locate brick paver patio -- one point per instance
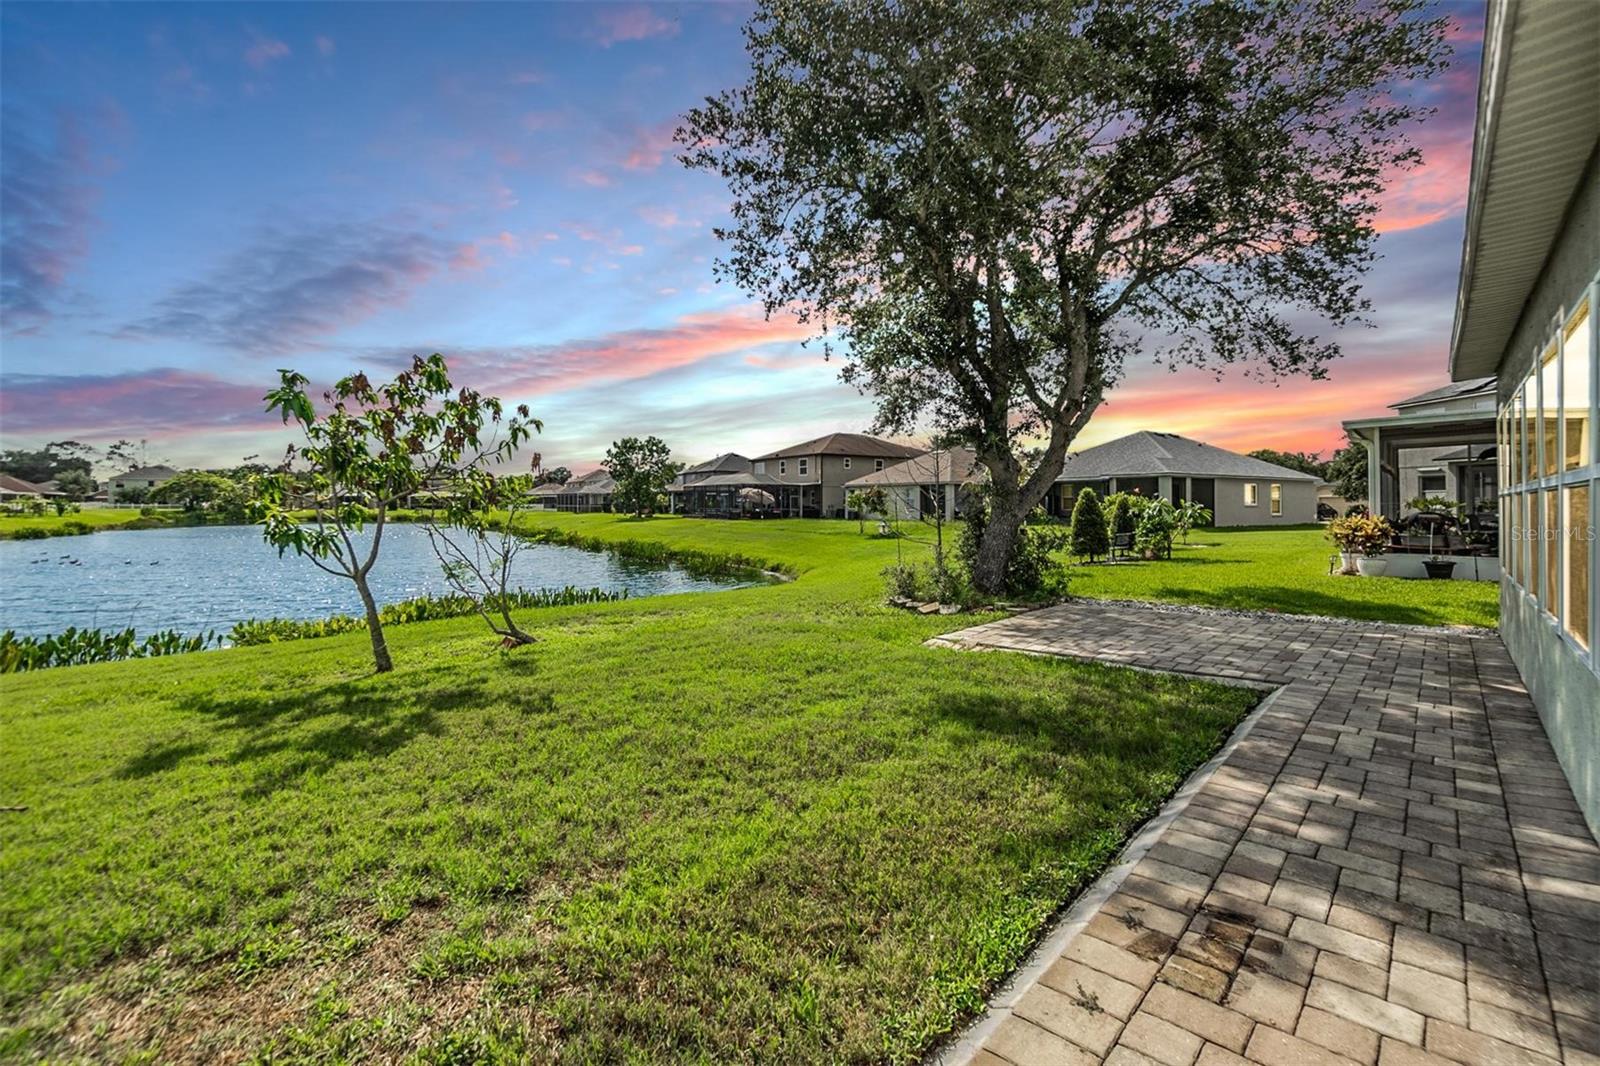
(1388, 868)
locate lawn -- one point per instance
(1285, 570)
(764, 824)
(96, 518)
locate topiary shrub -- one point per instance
(1089, 536)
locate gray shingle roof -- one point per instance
(1448, 392)
(958, 466)
(148, 473)
(726, 463)
(846, 444)
(1149, 454)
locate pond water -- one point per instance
(200, 578)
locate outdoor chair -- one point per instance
(1121, 544)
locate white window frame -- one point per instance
(847, 462)
(877, 465)
(1275, 498)
(803, 471)
(1252, 494)
(783, 466)
(1520, 493)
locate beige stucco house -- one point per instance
(807, 479)
(922, 484)
(141, 479)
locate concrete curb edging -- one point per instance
(966, 1044)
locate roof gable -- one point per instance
(1151, 454)
(851, 444)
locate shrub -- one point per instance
(1154, 528)
(1120, 518)
(902, 580)
(1034, 569)
(1089, 536)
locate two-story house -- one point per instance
(138, 482)
(808, 479)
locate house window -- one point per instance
(847, 462)
(1275, 498)
(1549, 496)
(1250, 488)
(877, 464)
(1430, 484)
(803, 464)
(783, 466)
(761, 468)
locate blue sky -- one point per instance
(196, 195)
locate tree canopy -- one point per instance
(1305, 462)
(641, 467)
(986, 208)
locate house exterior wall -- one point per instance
(1299, 503)
(125, 484)
(828, 472)
(1562, 677)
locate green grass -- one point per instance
(1285, 570)
(97, 518)
(764, 824)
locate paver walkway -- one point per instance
(1388, 868)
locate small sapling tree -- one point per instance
(370, 448)
(477, 543)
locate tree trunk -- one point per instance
(999, 543)
(380, 648)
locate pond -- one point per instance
(200, 578)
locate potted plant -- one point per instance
(1438, 567)
(1362, 539)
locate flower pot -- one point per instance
(1347, 562)
(1372, 565)
(1439, 569)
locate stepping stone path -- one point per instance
(1387, 869)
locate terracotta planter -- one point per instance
(1372, 565)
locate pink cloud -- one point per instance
(145, 403)
(325, 46)
(660, 217)
(621, 356)
(616, 23)
(265, 50)
(650, 147)
(472, 256)
(537, 121)
(595, 179)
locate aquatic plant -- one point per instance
(74, 647)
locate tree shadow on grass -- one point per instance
(1278, 599)
(159, 758)
(286, 735)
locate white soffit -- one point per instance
(1538, 123)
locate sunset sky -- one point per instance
(197, 195)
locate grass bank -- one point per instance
(89, 520)
(763, 824)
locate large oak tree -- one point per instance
(987, 207)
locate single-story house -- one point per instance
(14, 488)
(922, 484)
(591, 492)
(1238, 490)
(545, 494)
(141, 479)
(808, 478)
(1526, 305)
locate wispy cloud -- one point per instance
(264, 51)
(48, 194)
(295, 288)
(325, 46)
(650, 147)
(617, 23)
(145, 403)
